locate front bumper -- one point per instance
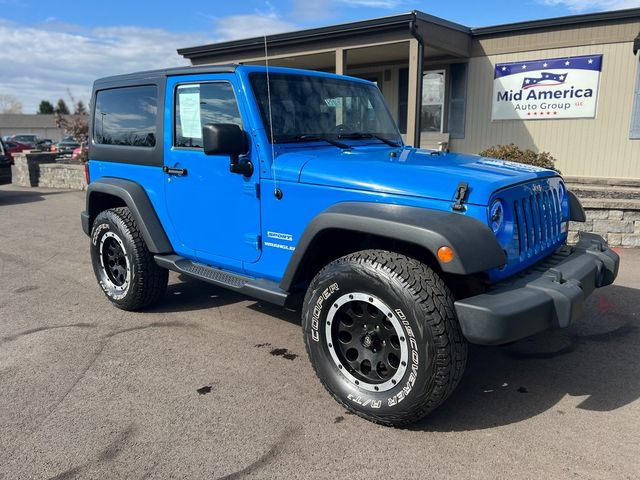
(548, 295)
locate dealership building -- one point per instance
(569, 86)
(451, 68)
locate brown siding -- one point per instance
(584, 147)
(615, 32)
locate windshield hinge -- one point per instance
(253, 239)
(251, 189)
(461, 193)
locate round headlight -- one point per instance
(496, 216)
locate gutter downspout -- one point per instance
(415, 33)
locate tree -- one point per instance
(78, 127)
(45, 107)
(80, 109)
(10, 104)
(61, 108)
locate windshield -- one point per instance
(308, 107)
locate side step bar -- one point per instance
(260, 289)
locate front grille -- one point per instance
(538, 219)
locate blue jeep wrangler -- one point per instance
(295, 188)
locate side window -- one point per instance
(126, 116)
(198, 104)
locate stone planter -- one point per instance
(26, 169)
(61, 175)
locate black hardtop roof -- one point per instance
(154, 75)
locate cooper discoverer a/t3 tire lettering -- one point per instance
(382, 335)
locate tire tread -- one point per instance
(436, 300)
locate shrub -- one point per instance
(513, 153)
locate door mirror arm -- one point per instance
(242, 166)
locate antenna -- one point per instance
(276, 191)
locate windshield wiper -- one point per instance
(358, 135)
(313, 138)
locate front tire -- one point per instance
(122, 263)
(382, 335)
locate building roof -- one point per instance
(375, 25)
(567, 21)
(399, 21)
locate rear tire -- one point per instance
(382, 335)
(123, 265)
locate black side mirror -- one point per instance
(227, 139)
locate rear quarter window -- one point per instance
(126, 116)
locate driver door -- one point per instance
(214, 212)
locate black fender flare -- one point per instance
(476, 247)
(135, 197)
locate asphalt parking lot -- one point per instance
(210, 384)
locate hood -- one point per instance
(410, 172)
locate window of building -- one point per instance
(126, 116)
(457, 100)
(634, 132)
(199, 104)
(433, 99)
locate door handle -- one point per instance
(174, 171)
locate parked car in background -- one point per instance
(12, 147)
(5, 165)
(65, 147)
(45, 144)
(80, 153)
(28, 139)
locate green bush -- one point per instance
(513, 153)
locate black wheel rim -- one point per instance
(367, 342)
(114, 261)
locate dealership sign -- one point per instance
(547, 89)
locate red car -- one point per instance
(78, 152)
(14, 147)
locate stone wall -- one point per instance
(612, 206)
(617, 222)
(26, 168)
(57, 175)
(39, 169)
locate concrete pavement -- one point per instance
(210, 384)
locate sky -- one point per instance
(49, 49)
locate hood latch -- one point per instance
(461, 193)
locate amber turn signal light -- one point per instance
(445, 254)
